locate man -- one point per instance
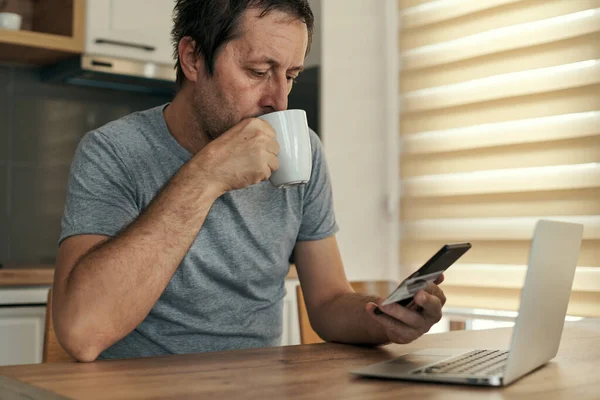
(173, 239)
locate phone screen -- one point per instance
(428, 273)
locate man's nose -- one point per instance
(276, 96)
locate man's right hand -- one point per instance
(244, 155)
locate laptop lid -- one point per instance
(553, 258)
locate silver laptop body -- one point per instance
(536, 335)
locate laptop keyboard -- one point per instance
(477, 362)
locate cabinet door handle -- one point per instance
(126, 44)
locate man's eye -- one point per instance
(293, 79)
(258, 73)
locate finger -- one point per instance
(403, 336)
(370, 308)
(437, 292)
(415, 307)
(397, 331)
(432, 306)
(266, 128)
(405, 315)
(265, 173)
(439, 279)
(272, 162)
(246, 125)
(272, 146)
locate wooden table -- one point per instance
(318, 371)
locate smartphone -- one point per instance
(429, 272)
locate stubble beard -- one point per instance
(213, 115)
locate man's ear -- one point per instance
(191, 63)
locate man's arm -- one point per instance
(102, 292)
(104, 288)
(338, 314)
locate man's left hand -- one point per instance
(405, 324)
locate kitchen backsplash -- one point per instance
(40, 127)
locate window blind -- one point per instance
(499, 126)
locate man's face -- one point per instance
(253, 73)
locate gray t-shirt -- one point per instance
(228, 291)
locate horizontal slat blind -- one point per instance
(500, 126)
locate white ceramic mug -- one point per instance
(10, 21)
(295, 155)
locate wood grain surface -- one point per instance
(317, 371)
(26, 276)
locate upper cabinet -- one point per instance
(132, 29)
(51, 30)
(54, 30)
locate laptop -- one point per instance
(536, 334)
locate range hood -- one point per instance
(113, 73)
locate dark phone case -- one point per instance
(440, 261)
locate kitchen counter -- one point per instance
(293, 274)
(30, 276)
(43, 276)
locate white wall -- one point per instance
(359, 116)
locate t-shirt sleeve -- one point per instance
(100, 192)
(318, 217)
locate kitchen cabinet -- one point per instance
(291, 327)
(52, 30)
(22, 318)
(22, 333)
(133, 29)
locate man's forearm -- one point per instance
(347, 321)
(113, 287)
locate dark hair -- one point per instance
(214, 23)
